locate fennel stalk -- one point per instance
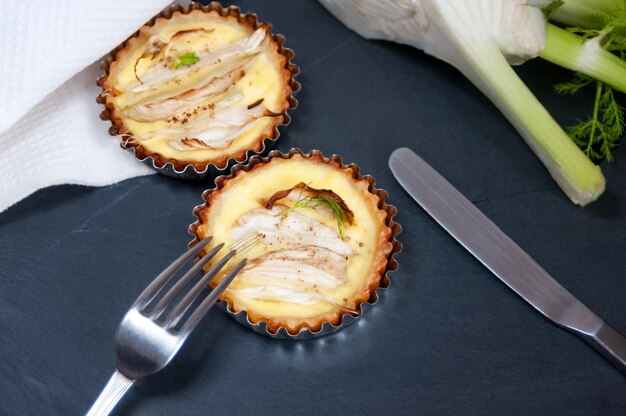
(586, 56)
(482, 38)
(581, 12)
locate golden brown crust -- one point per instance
(281, 54)
(386, 245)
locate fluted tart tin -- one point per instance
(198, 169)
(261, 326)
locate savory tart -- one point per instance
(199, 88)
(323, 242)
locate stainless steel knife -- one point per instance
(481, 237)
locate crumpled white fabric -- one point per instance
(50, 130)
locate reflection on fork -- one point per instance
(246, 243)
(153, 330)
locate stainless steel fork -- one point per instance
(152, 332)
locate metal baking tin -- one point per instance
(189, 171)
(346, 319)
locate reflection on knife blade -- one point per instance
(483, 239)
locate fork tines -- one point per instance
(167, 311)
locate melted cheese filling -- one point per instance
(303, 269)
(262, 80)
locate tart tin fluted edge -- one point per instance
(346, 319)
(184, 169)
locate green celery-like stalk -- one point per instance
(585, 56)
(480, 38)
(580, 179)
(580, 12)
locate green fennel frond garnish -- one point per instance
(314, 199)
(309, 201)
(601, 132)
(186, 59)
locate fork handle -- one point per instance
(111, 394)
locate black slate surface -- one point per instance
(448, 337)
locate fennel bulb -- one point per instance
(482, 38)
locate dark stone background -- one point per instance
(448, 338)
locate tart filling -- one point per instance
(323, 243)
(198, 88)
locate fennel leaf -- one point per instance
(310, 201)
(186, 59)
(601, 132)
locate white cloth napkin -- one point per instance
(50, 130)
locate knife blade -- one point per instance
(502, 256)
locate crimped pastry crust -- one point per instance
(366, 192)
(279, 56)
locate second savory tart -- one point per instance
(324, 241)
(199, 87)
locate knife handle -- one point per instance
(610, 343)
